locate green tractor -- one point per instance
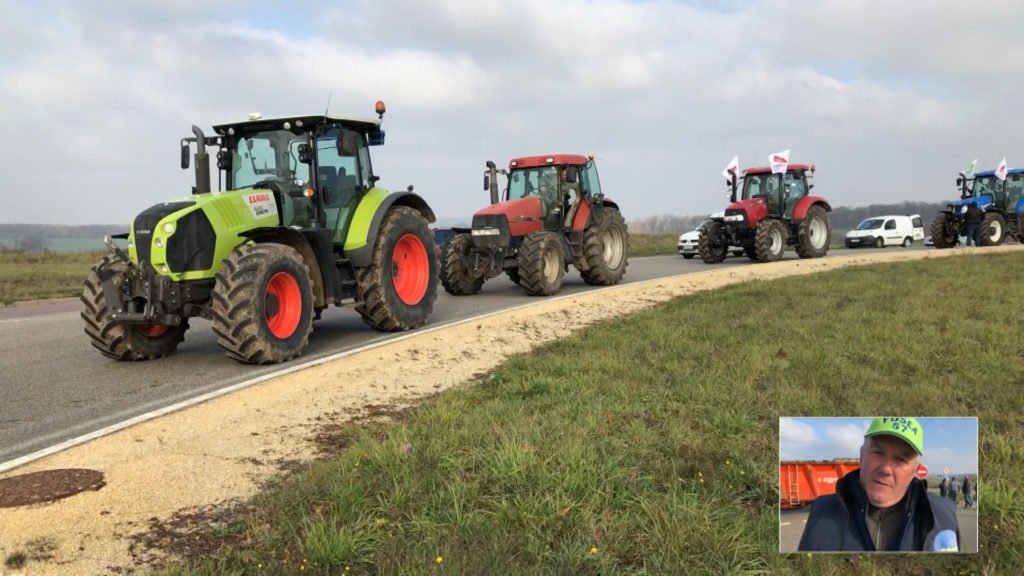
(298, 224)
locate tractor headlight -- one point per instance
(168, 227)
(733, 218)
(486, 232)
(159, 242)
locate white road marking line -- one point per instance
(784, 524)
(13, 320)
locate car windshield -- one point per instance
(870, 224)
(757, 185)
(531, 181)
(270, 155)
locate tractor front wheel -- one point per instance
(813, 234)
(993, 229)
(456, 276)
(606, 250)
(397, 290)
(123, 341)
(711, 242)
(770, 240)
(263, 304)
(944, 233)
(541, 264)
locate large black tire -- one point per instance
(398, 289)
(513, 274)
(123, 341)
(455, 275)
(541, 264)
(814, 233)
(262, 304)
(943, 231)
(606, 249)
(993, 230)
(711, 243)
(770, 240)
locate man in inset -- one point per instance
(883, 506)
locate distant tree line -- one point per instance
(843, 217)
(88, 231)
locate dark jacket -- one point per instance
(974, 214)
(838, 521)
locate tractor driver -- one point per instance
(549, 195)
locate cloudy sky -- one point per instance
(948, 442)
(889, 99)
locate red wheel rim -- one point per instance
(153, 330)
(282, 305)
(410, 269)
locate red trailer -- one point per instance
(802, 481)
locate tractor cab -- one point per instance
(316, 167)
(778, 193)
(544, 189)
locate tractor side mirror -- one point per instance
(376, 138)
(305, 154)
(959, 181)
(487, 181)
(810, 186)
(184, 155)
(223, 160)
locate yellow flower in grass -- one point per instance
(439, 559)
(593, 549)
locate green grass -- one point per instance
(37, 275)
(653, 244)
(649, 445)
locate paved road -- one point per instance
(792, 522)
(54, 386)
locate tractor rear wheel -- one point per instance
(813, 234)
(123, 341)
(397, 290)
(993, 229)
(541, 264)
(606, 249)
(262, 304)
(944, 233)
(770, 240)
(455, 274)
(711, 243)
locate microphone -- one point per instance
(945, 541)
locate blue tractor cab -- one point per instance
(1002, 201)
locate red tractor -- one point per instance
(553, 214)
(775, 209)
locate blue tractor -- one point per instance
(1002, 201)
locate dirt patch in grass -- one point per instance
(166, 477)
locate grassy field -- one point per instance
(649, 445)
(652, 244)
(37, 275)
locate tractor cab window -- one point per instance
(270, 160)
(542, 181)
(1014, 190)
(985, 185)
(796, 189)
(341, 176)
(767, 186)
(590, 180)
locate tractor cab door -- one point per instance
(796, 188)
(590, 186)
(773, 195)
(342, 177)
(1014, 191)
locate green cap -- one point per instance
(906, 429)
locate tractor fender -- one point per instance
(362, 233)
(312, 251)
(585, 213)
(804, 204)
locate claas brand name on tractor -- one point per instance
(298, 223)
(549, 213)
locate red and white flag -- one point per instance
(732, 168)
(779, 162)
(1001, 170)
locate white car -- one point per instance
(687, 245)
(889, 230)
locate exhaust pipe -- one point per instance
(202, 163)
(492, 174)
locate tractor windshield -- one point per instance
(533, 182)
(986, 185)
(269, 156)
(760, 185)
(871, 224)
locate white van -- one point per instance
(890, 230)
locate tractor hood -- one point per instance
(522, 215)
(746, 204)
(982, 201)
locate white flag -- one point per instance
(732, 168)
(1001, 169)
(969, 173)
(779, 162)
